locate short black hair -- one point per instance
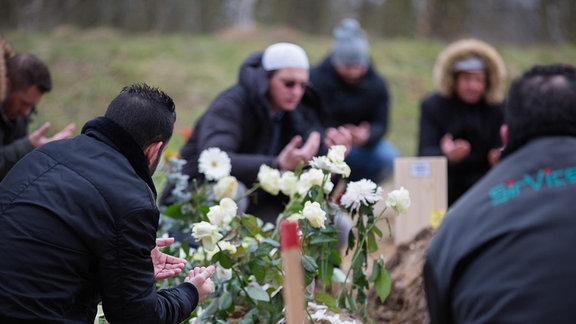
(24, 70)
(146, 113)
(542, 102)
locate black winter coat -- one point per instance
(78, 220)
(368, 100)
(479, 124)
(239, 122)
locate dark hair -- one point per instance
(542, 102)
(24, 70)
(146, 113)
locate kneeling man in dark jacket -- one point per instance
(78, 222)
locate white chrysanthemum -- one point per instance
(288, 183)
(313, 177)
(226, 187)
(207, 234)
(363, 192)
(314, 214)
(399, 200)
(214, 163)
(269, 179)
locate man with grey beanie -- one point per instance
(356, 97)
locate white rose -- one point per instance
(269, 178)
(310, 178)
(227, 246)
(295, 217)
(324, 163)
(288, 183)
(337, 153)
(222, 274)
(314, 214)
(226, 187)
(207, 233)
(399, 200)
(229, 206)
(222, 214)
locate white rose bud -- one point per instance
(226, 187)
(399, 200)
(288, 183)
(336, 153)
(207, 233)
(314, 214)
(269, 178)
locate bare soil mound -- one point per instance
(406, 302)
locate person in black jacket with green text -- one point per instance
(505, 251)
(78, 222)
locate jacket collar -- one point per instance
(123, 142)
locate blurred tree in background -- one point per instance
(497, 21)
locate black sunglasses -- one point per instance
(291, 84)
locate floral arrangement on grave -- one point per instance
(246, 252)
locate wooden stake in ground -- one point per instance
(293, 291)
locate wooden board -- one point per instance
(426, 180)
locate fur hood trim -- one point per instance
(495, 68)
(5, 53)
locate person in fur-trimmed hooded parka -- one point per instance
(462, 120)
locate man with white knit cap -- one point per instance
(270, 116)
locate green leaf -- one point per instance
(175, 211)
(258, 269)
(251, 317)
(382, 280)
(225, 301)
(257, 293)
(251, 224)
(209, 312)
(272, 242)
(224, 259)
(309, 264)
(326, 299)
(372, 244)
(377, 231)
(322, 239)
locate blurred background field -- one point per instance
(90, 66)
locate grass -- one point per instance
(89, 68)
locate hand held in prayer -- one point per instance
(37, 137)
(165, 266)
(454, 150)
(292, 155)
(200, 278)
